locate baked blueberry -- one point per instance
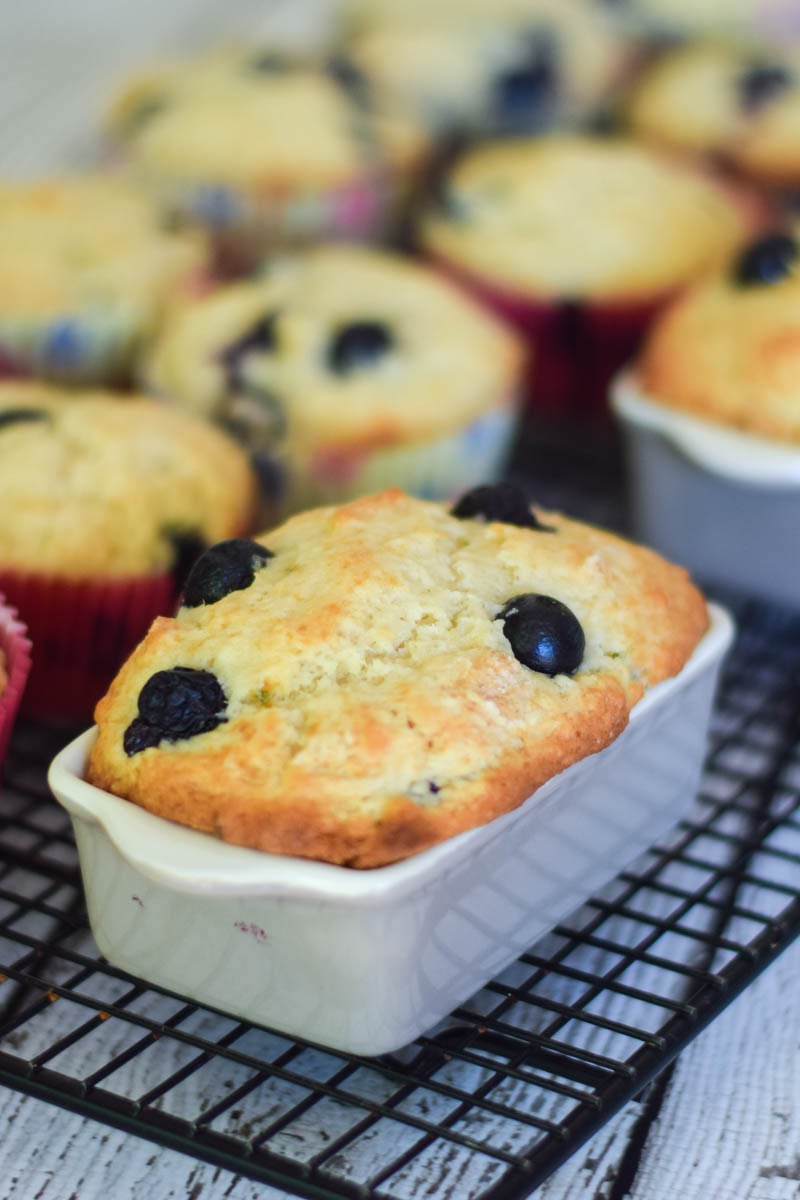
(504, 502)
(761, 83)
(226, 567)
(260, 338)
(176, 704)
(269, 62)
(768, 260)
(353, 82)
(358, 346)
(22, 416)
(523, 95)
(143, 112)
(544, 634)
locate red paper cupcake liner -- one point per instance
(17, 652)
(82, 631)
(576, 347)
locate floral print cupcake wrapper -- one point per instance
(437, 469)
(16, 650)
(82, 631)
(244, 224)
(73, 348)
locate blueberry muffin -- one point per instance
(737, 103)
(578, 240)
(104, 501)
(748, 19)
(262, 149)
(371, 679)
(729, 351)
(506, 69)
(351, 369)
(86, 265)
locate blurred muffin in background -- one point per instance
(86, 263)
(487, 69)
(349, 370)
(773, 20)
(578, 241)
(105, 501)
(738, 103)
(263, 149)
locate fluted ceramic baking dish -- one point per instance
(364, 961)
(724, 503)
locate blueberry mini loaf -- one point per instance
(370, 679)
(353, 369)
(729, 351)
(86, 265)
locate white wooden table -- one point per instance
(727, 1125)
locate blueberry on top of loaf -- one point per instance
(97, 483)
(379, 684)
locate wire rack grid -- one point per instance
(491, 1101)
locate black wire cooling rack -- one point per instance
(493, 1099)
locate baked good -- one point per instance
(579, 240)
(264, 149)
(352, 369)
(729, 350)
(369, 679)
(747, 19)
(738, 103)
(86, 264)
(506, 68)
(104, 502)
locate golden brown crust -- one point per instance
(730, 354)
(374, 703)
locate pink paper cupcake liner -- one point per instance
(576, 347)
(82, 631)
(16, 650)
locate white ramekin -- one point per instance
(724, 503)
(364, 961)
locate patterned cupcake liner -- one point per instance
(82, 631)
(72, 348)
(16, 650)
(437, 469)
(243, 223)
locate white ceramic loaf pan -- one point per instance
(724, 503)
(364, 961)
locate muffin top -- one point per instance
(342, 347)
(742, 18)
(369, 679)
(516, 69)
(732, 101)
(93, 483)
(243, 116)
(574, 216)
(729, 350)
(87, 243)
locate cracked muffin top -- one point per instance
(98, 483)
